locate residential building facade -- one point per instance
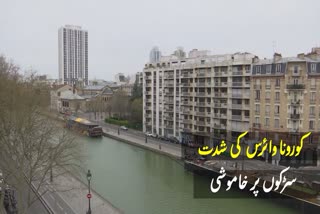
(199, 97)
(73, 55)
(285, 101)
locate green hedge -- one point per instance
(116, 121)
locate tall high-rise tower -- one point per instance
(73, 55)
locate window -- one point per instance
(296, 69)
(276, 123)
(257, 119)
(267, 110)
(313, 96)
(278, 68)
(278, 82)
(313, 67)
(277, 96)
(257, 94)
(311, 124)
(268, 84)
(268, 69)
(267, 122)
(313, 83)
(295, 81)
(258, 69)
(277, 109)
(268, 95)
(312, 112)
(257, 108)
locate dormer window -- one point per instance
(268, 69)
(278, 68)
(313, 67)
(258, 69)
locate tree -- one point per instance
(31, 146)
(120, 103)
(136, 90)
(136, 110)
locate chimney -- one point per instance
(255, 59)
(301, 56)
(315, 53)
(276, 57)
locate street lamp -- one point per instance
(89, 176)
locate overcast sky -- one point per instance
(122, 32)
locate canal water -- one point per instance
(139, 181)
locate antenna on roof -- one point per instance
(274, 46)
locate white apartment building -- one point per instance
(73, 55)
(199, 97)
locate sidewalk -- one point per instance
(73, 193)
(151, 145)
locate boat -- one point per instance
(84, 126)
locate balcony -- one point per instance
(169, 118)
(200, 84)
(257, 87)
(187, 103)
(295, 116)
(256, 125)
(169, 76)
(200, 113)
(148, 107)
(186, 75)
(186, 93)
(295, 86)
(201, 74)
(201, 123)
(200, 103)
(236, 95)
(187, 121)
(169, 85)
(296, 102)
(236, 72)
(148, 92)
(236, 117)
(246, 118)
(312, 115)
(217, 105)
(185, 111)
(201, 94)
(185, 84)
(312, 101)
(237, 106)
(268, 86)
(237, 84)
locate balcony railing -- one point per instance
(169, 76)
(236, 83)
(237, 73)
(185, 84)
(295, 86)
(200, 103)
(312, 115)
(256, 125)
(201, 113)
(201, 94)
(257, 87)
(201, 74)
(237, 106)
(201, 84)
(295, 116)
(236, 117)
(200, 122)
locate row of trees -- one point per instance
(120, 105)
(31, 146)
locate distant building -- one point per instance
(73, 55)
(65, 99)
(155, 55)
(120, 79)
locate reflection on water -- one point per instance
(139, 181)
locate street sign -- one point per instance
(88, 195)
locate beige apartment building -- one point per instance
(199, 97)
(285, 102)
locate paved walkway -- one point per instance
(67, 195)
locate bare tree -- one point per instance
(31, 146)
(120, 103)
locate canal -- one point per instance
(139, 181)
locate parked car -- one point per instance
(124, 128)
(148, 134)
(174, 140)
(154, 135)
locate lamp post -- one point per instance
(89, 176)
